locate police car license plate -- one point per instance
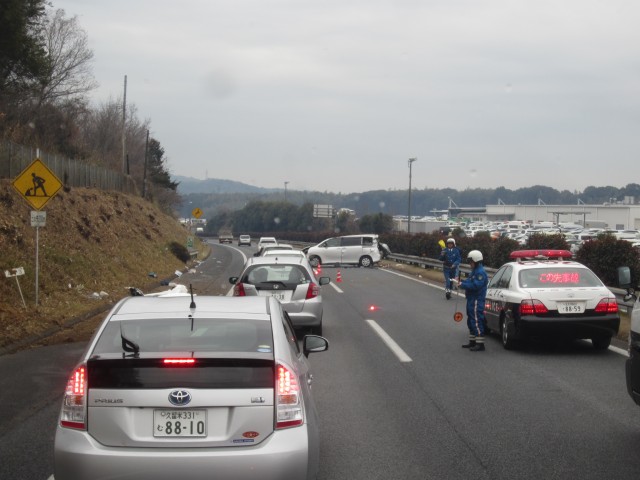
(179, 423)
(571, 307)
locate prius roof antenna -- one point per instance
(193, 304)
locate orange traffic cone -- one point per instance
(339, 277)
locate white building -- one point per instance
(618, 216)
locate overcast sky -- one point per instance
(337, 95)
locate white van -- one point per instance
(350, 249)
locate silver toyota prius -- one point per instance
(191, 387)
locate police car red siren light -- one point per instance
(543, 253)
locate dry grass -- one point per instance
(93, 242)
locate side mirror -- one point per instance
(324, 280)
(314, 344)
(233, 280)
(624, 277)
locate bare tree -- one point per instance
(68, 74)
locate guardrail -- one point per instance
(433, 264)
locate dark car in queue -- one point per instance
(179, 387)
(542, 293)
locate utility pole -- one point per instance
(144, 177)
(411, 160)
(124, 121)
(285, 190)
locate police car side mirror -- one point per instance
(624, 277)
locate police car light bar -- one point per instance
(540, 254)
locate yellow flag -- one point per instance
(441, 243)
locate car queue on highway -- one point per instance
(228, 376)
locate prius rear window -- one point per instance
(179, 334)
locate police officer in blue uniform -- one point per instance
(475, 289)
(451, 259)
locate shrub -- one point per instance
(541, 241)
(605, 254)
(180, 251)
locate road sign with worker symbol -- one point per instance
(37, 184)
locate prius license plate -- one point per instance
(571, 307)
(179, 423)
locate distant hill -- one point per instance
(188, 185)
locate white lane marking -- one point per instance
(424, 282)
(619, 351)
(393, 346)
(337, 288)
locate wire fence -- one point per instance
(15, 158)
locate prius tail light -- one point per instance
(289, 409)
(74, 403)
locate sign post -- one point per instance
(16, 273)
(37, 185)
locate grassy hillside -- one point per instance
(94, 241)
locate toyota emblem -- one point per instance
(179, 398)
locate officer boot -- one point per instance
(479, 346)
(471, 344)
(447, 294)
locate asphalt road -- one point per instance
(397, 396)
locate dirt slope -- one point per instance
(94, 244)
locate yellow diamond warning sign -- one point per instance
(37, 184)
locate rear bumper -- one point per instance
(284, 455)
(572, 327)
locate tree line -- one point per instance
(424, 202)
(287, 221)
(45, 79)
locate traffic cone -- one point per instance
(339, 277)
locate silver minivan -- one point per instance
(360, 250)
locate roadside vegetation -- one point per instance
(95, 244)
(45, 79)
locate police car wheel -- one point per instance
(507, 332)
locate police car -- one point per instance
(632, 366)
(542, 293)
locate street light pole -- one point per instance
(411, 160)
(285, 190)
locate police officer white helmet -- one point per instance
(475, 255)
(451, 240)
